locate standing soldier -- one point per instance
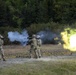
(1, 47)
(39, 43)
(33, 46)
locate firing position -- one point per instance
(1, 47)
(35, 46)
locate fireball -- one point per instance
(69, 39)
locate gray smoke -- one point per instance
(47, 36)
(20, 37)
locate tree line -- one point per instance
(20, 14)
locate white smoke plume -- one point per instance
(20, 37)
(46, 36)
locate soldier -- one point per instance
(1, 47)
(33, 46)
(39, 43)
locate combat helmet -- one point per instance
(38, 36)
(33, 36)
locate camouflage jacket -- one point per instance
(33, 42)
(1, 42)
(39, 42)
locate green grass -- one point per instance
(62, 67)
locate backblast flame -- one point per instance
(69, 39)
(73, 42)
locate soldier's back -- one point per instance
(34, 42)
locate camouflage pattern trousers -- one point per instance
(2, 52)
(36, 51)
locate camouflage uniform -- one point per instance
(33, 46)
(39, 43)
(1, 47)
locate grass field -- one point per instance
(60, 67)
(23, 51)
(52, 67)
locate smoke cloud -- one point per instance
(20, 37)
(47, 36)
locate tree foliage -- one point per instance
(36, 14)
(22, 13)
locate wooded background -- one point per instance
(36, 15)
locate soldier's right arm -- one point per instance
(30, 41)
